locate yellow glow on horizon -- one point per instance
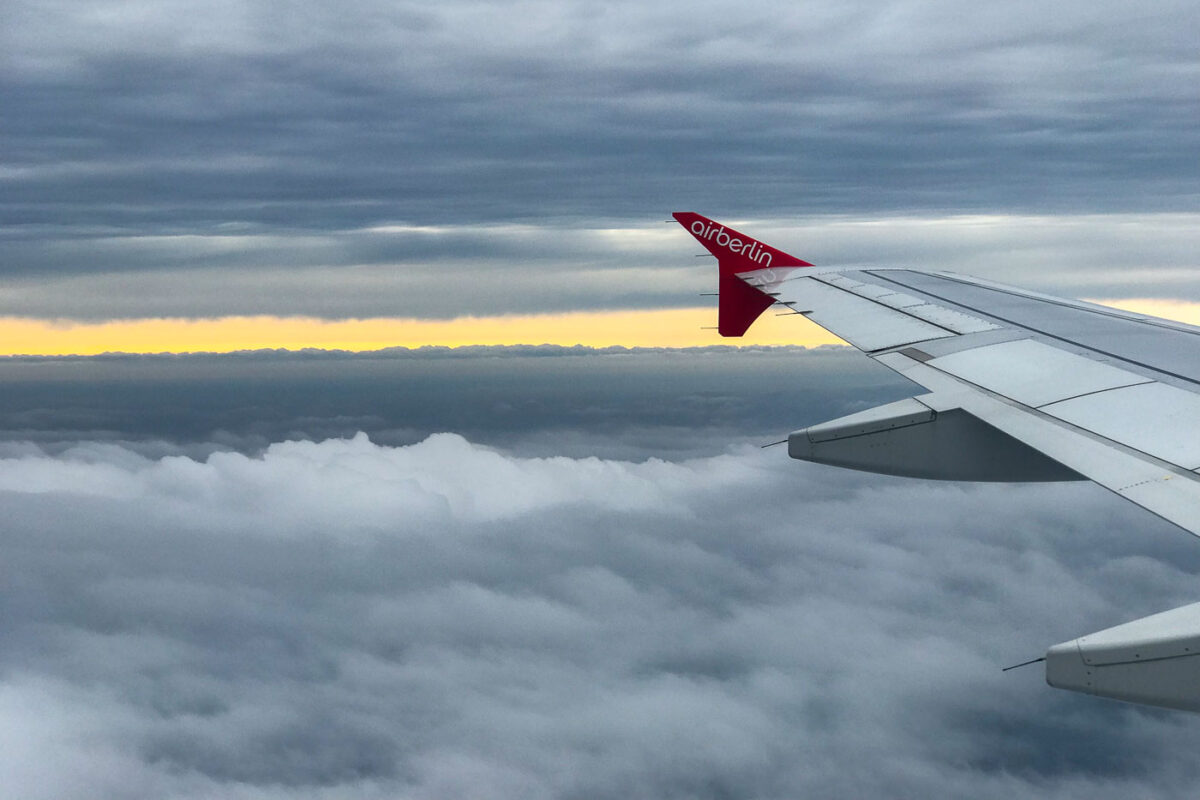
(681, 327)
(651, 328)
(1178, 310)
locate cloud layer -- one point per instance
(286, 158)
(525, 110)
(615, 403)
(343, 619)
(547, 268)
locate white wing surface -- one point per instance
(1021, 386)
(1104, 393)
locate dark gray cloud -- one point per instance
(263, 148)
(531, 400)
(520, 111)
(553, 269)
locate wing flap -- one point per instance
(1033, 373)
(1154, 418)
(1169, 491)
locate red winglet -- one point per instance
(739, 304)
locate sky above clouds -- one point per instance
(440, 160)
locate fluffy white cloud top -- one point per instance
(343, 619)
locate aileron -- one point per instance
(864, 323)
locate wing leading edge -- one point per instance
(1021, 386)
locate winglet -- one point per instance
(739, 304)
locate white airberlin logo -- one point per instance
(751, 250)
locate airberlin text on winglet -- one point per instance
(714, 233)
(738, 303)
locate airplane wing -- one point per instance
(1022, 386)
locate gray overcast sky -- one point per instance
(304, 158)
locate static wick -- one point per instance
(1024, 664)
(772, 444)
